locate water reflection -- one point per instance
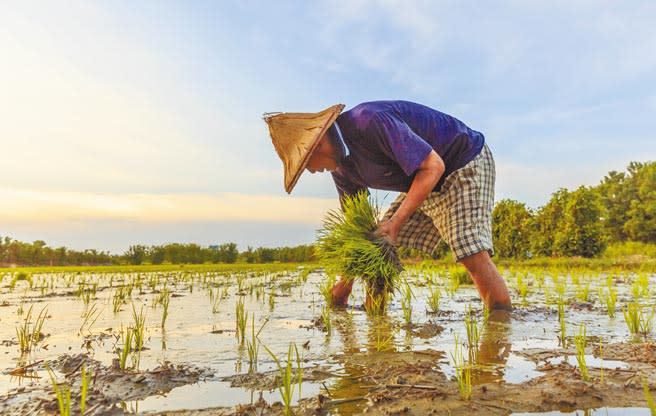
(494, 348)
(346, 392)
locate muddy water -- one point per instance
(514, 348)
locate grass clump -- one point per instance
(406, 304)
(434, 296)
(561, 321)
(287, 386)
(28, 335)
(326, 289)
(581, 341)
(253, 346)
(463, 371)
(63, 391)
(473, 334)
(348, 245)
(637, 320)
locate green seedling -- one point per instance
(637, 320)
(560, 286)
(583, 292)
(640, 287)
(347, 243)
(272, 302)
(580, 341)
(434, 296)
(327, 322)
(165, 299)
(522, 288)
(454, 284)
(241, 319)
(326, 289)
(299, 370)
(287, 388)
(463, 371)
(473, 334)
(124, 352)
(90, 318)
(215, 301)
(84, 389)
(63, 393)
(384, 343)
(118, 299)
(253, 346)
(378, 303)
(139, 322)
(547, 295)
(610, 299)
(406, 304)
(561, 321)
(28, 335)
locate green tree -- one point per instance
(544, 225)
(641, 222)
(580, 231)
(510, 229)
(136, 254)
(616, 192)
(227, 253)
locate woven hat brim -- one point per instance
(292, 174)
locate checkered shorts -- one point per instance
(460, 213)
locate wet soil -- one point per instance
(354, 364)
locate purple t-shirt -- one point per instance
(388, 140)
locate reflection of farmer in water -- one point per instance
(442, 168)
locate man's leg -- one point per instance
(341, 291)
(491, 286)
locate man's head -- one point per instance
(301, 141)
(328, 154)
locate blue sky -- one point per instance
(140, 122)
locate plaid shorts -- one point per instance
(460, 213)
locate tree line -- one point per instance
(583, 222)
(14, 252)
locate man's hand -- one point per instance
(429, 173)
(389, 229)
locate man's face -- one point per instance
(323, 158)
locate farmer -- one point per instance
(443, 170)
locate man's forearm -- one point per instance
(430, 172)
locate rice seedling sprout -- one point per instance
(434, 296)
(348, 245)
(63, 393)
(463, 371)
(580, 341)
(473, 334)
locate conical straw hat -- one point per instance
(296, 135)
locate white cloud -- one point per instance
(558, 49)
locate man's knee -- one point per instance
(477, 262)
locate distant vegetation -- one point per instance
(14, 252)
(619, 213)
(615, 218)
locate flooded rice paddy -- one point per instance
(202, 341)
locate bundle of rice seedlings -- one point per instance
(347, 245)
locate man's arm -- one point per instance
(429, 173)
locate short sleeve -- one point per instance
(397, 140)
(346, 187)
